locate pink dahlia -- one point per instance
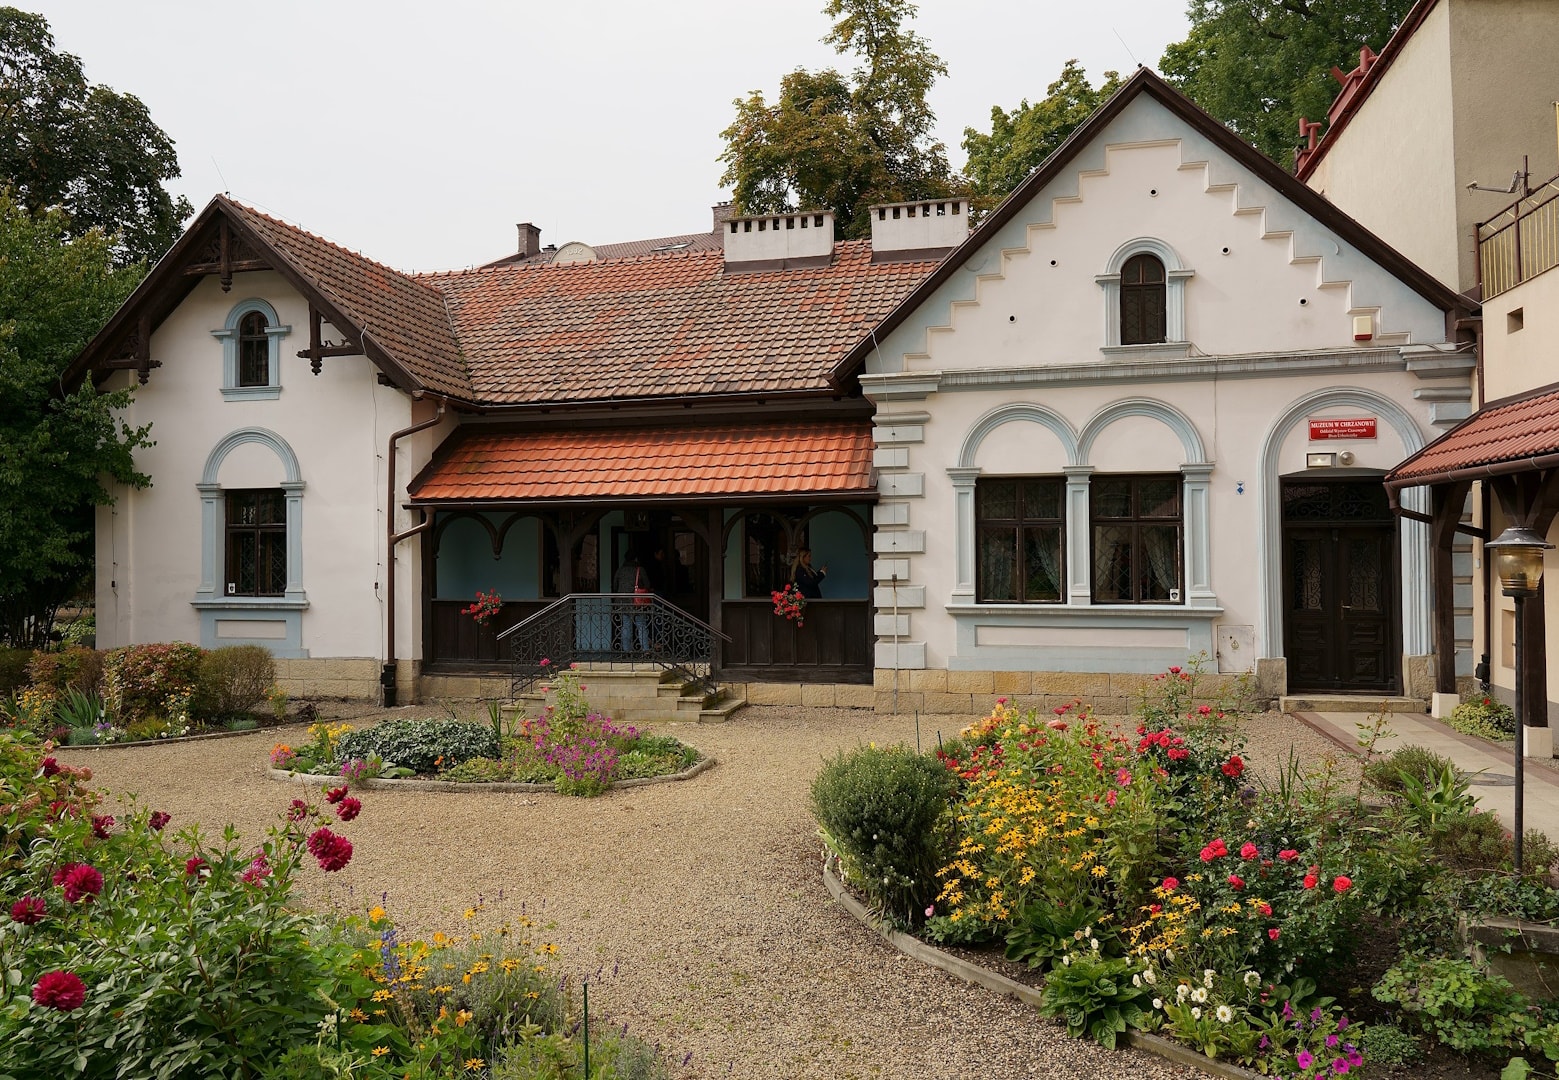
(158, 820)
(298, 810)
(101, 825)
(259, 869)
(79, 882)
(28, 910)
(335, 795)
(348, 808)
(332, 851)
(194, 865)
(50, 767)
(62, 990)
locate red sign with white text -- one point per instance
(1362, 427)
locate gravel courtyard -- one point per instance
(696, 908)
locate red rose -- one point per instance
(1288, 855)
(1265, 909)
(50, 767)
(1174, 671)
(348, 808)
(1208, 855)
(158, 820)
(1155, 908)
(1236, 881)
(1342, 883)
(101, 824)
(332, 851)
(1171, 884)
(1310, 881)
(194, 866)
(1233, 767)
(1179, 755)
(79, 882)
(1249, 850)
(28, 910)
(335, 795)
(1205, 710)
(61, 990)
(1273, 933)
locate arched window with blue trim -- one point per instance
(251, 351)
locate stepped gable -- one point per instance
(666, 325)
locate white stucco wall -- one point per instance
(1019, 333)
(336, 424)
(1521, 352)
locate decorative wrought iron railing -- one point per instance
(610, 628)
(1520, 242)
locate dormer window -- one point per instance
(254, 351)
(1143, 301)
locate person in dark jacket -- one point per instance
(632, 583)
(808, 582)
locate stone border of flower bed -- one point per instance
(446, 785)
(916, 949)
(203, 736)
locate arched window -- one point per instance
(254, 351)
(1143, 301)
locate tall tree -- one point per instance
(88, 149)
(1261, 65)
(1019, 140)
(56, 291)
(843, 143)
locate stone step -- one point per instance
(1352, 703)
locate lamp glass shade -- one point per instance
(1518, 560)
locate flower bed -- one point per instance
(131, 950)
(569, 749)
(1157, 886)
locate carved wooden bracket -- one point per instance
(319, 348)
(225, 255)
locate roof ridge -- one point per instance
(405, 275)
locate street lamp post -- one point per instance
(1518, 560)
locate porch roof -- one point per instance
(1515, 435)
(795, 458)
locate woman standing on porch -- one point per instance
(634, 588)
(808, 582)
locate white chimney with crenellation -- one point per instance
(918, 230)
(778, 241)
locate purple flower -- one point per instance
(1304, 1059)
(1339, 1066)
(1332, 1041)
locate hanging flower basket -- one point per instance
(485, 608)
(790, 604)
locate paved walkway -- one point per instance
(1491, 765)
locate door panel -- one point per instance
(1339, 595)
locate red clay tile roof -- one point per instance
(704, 241)
(792, 458)
(1499, 438)
(668, 324)
(401, 314)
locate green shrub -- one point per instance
(1449, 998)
(424, 746)
(242, 723)
(885, 812)
(1484, 717)
(1385, 773)
(13, 669)
(75, 668)
(1387, 1044)
(144, 680)
(233, 680)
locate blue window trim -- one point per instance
(228, 336)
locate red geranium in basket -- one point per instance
(790, 604)
(486, 607)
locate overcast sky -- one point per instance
(420, 133)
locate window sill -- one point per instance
(250, 393)
(1162, 350)
(1105, 613)
(250, 603)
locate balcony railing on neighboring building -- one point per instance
(1520, 242)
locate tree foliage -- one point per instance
(56, 291)
(841, 142)
(92, 151)
(1261, 65)
(1019, 140)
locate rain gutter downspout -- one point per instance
(387, 673)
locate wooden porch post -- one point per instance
(716, 538)
(1448, 501)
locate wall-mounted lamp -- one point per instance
(1320, 461)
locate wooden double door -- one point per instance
(1342, 615)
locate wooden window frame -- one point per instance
(234, 532)
(1019, 525)
(254, 350)
(1151, 293)
(1136, 521)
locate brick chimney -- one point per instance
(926, 229)
(778, 241)
(530, 239)
(724, 212)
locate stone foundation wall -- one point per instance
(347, 678)
(972, 693)
(816, 695)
